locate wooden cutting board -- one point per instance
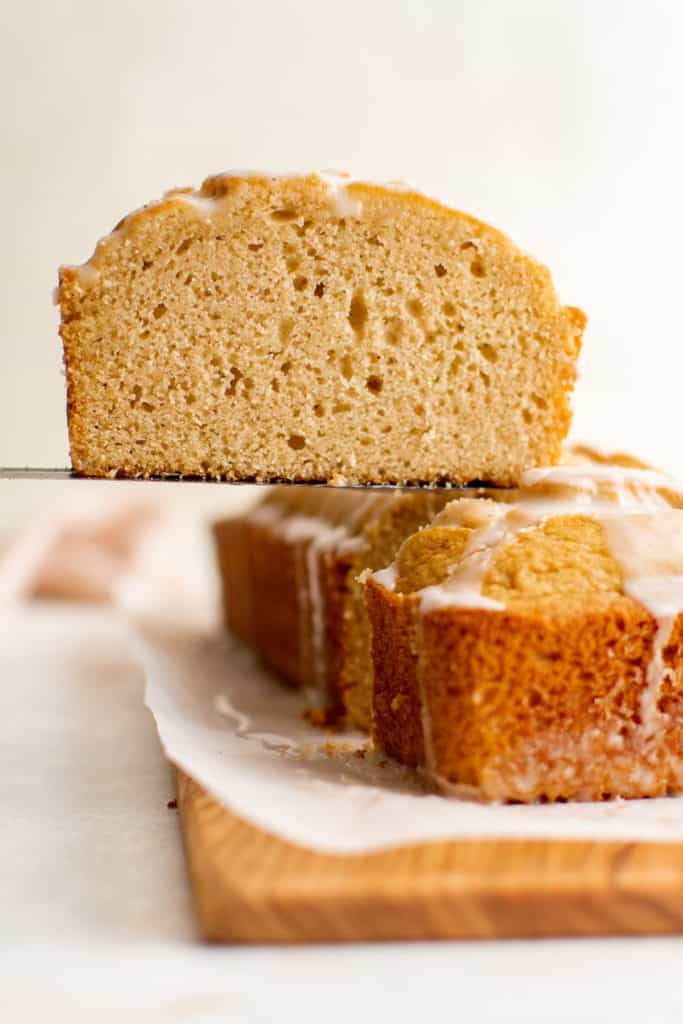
(252, 887)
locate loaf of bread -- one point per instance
(531, 648)
(290, 567)
(313, 328)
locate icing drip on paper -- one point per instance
(270, 740)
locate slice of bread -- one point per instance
(289, 568)
(534, 649)
(313, 328)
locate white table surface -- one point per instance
(96, 923)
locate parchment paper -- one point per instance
(240, 733)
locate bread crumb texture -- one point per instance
(262, 329)
(563, 559)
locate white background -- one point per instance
(560, 122)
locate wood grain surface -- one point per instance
(252, 887)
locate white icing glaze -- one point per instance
(649, 548)
(326, 539)
(310, 534)
(206, 205)
(351, 544)
(556, 491)
(663, 597)
(272, 741)
(342, 203)
(590, 477)
(265, 514)
(462, 589)
(88, 274)
(225, 707)
(387, 577)
(296, 528)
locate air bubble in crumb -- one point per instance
(346, 366)
(358, 313)
(284, 215)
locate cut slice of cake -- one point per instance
(533, 648)
(290, 567)
(313, 328)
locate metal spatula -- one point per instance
(63, 473)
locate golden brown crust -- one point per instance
(397, 707)
(272, 576)
(233, 552)
(527, 707)
(277, 636)
(254, 561)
